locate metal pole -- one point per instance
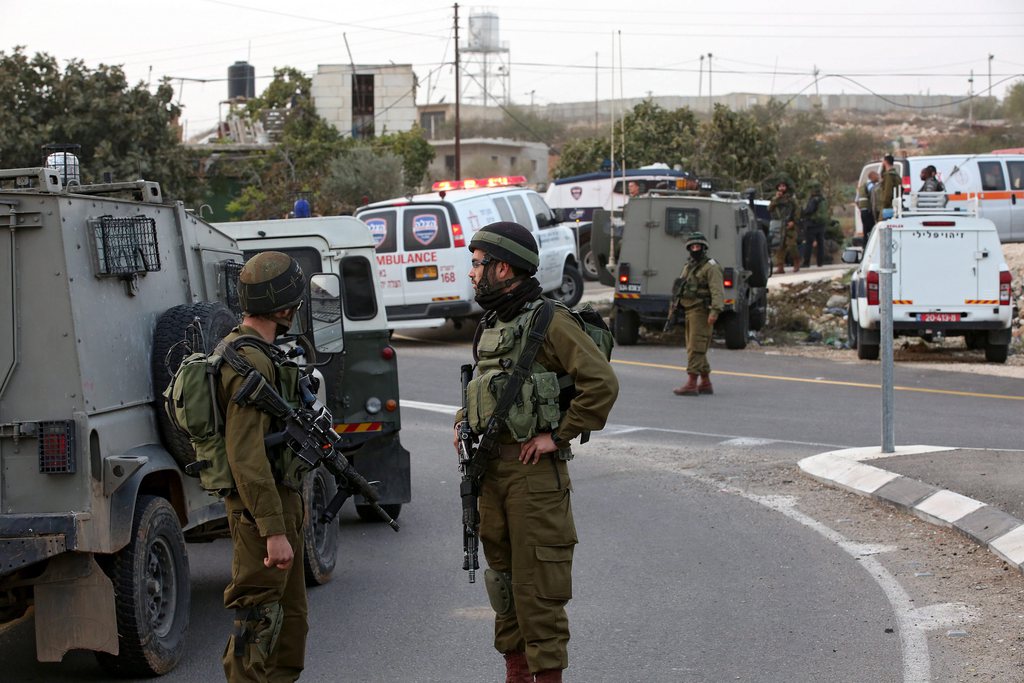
(458, 96)
(885, 337)
(710, 103)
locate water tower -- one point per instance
(485, 60)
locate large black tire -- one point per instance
(571, 290)
(216, 320)
(736, 326)
(756, 258)
(588, 263)
(319, 541)
(368, 514)
(865, 351)
(996, 353)
(151, 588)
(851, 327)
(627, 327)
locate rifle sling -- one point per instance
(538, 331)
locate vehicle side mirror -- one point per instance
(852, 255)
(544, 220)
(325, 313)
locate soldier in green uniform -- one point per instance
(526, 522)
(783, 208)
(890, 185)
(265, 510)
(702, 296)
(816, 218)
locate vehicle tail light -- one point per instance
(1005, 280)
(906, 184)
(387, 353)
(872, 288)
(458, 237)
(623, 272)
(728, 278)
(57, 447)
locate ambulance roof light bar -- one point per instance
(478, 183)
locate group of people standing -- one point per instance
(800, 231)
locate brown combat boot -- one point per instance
(549, 676)
(517, 670)
(779, 270)
(705, 384)
(688, 389)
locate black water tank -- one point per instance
(241, 80)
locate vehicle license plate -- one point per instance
(939, 317)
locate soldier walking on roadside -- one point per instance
(701, 294)
(526, 522)
(265, 511)
(783, 208)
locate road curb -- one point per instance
(1001, 533)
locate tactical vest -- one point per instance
(536, 408)
(695, 288)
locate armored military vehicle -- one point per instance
(100, 284)
(648, 244)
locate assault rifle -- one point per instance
(673, 306)
(472, 464)
(309, 432)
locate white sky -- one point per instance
(772, 47)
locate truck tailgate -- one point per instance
(945, 279)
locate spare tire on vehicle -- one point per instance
(756, 258)
(170, 346)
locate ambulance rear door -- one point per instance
(383, 226)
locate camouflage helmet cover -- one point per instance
(270, 281)
(509, 242)
(697, 238)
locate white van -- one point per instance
(950, 279)
(997, 180)
(423, 255)
(574, 199)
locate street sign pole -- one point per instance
(885, 338)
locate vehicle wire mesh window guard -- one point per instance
(125, 245)
(57, 447)
(229, 272)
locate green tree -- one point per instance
(363, 175)
(1013, 103)
(737, 149)
(849, 150)
(413, 149)
(123, 130)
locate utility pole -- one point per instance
(970, 100)
(595, 92)
(700, 79)
(816, 72)
(458, 96)
(989, 93)
(710, 103)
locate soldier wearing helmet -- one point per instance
(526, 521)
(265, 511)
(816, 219)
(700, 292)
(784, 210)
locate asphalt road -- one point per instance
(692, 566)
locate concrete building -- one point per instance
(366, 100)
(484, 157)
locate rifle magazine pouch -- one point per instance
(522, 418)
(499, 591)
(546, 392)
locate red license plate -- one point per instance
(939, 317)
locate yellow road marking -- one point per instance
(863, 385)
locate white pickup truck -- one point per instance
(950, 279)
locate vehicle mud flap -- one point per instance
(385, 460)
(870, 336)
(74, 608)
(1000, 336)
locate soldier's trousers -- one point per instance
(789, 248)
(278, 597)
(814, 239)
(698, 339)
(526, 528)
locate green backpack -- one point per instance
(190, 401)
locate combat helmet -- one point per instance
(509, 242)
(697, 238)
(270, 281)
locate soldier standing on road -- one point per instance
(816, 216)
(783, 208)
(702, 296)
(526, 522)
(265, 511)
(890, 184)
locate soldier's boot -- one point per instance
(517, 669)
(705, 384)
(688, 389)
(780, 270)
(548, 676)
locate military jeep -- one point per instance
(647, 241)
(102, 285)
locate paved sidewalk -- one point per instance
(975, 491)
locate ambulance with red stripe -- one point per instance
(422, 255)
(950, 279)
(996, 180)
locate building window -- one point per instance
(431, 122)
(362, 106)
(449, 164)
